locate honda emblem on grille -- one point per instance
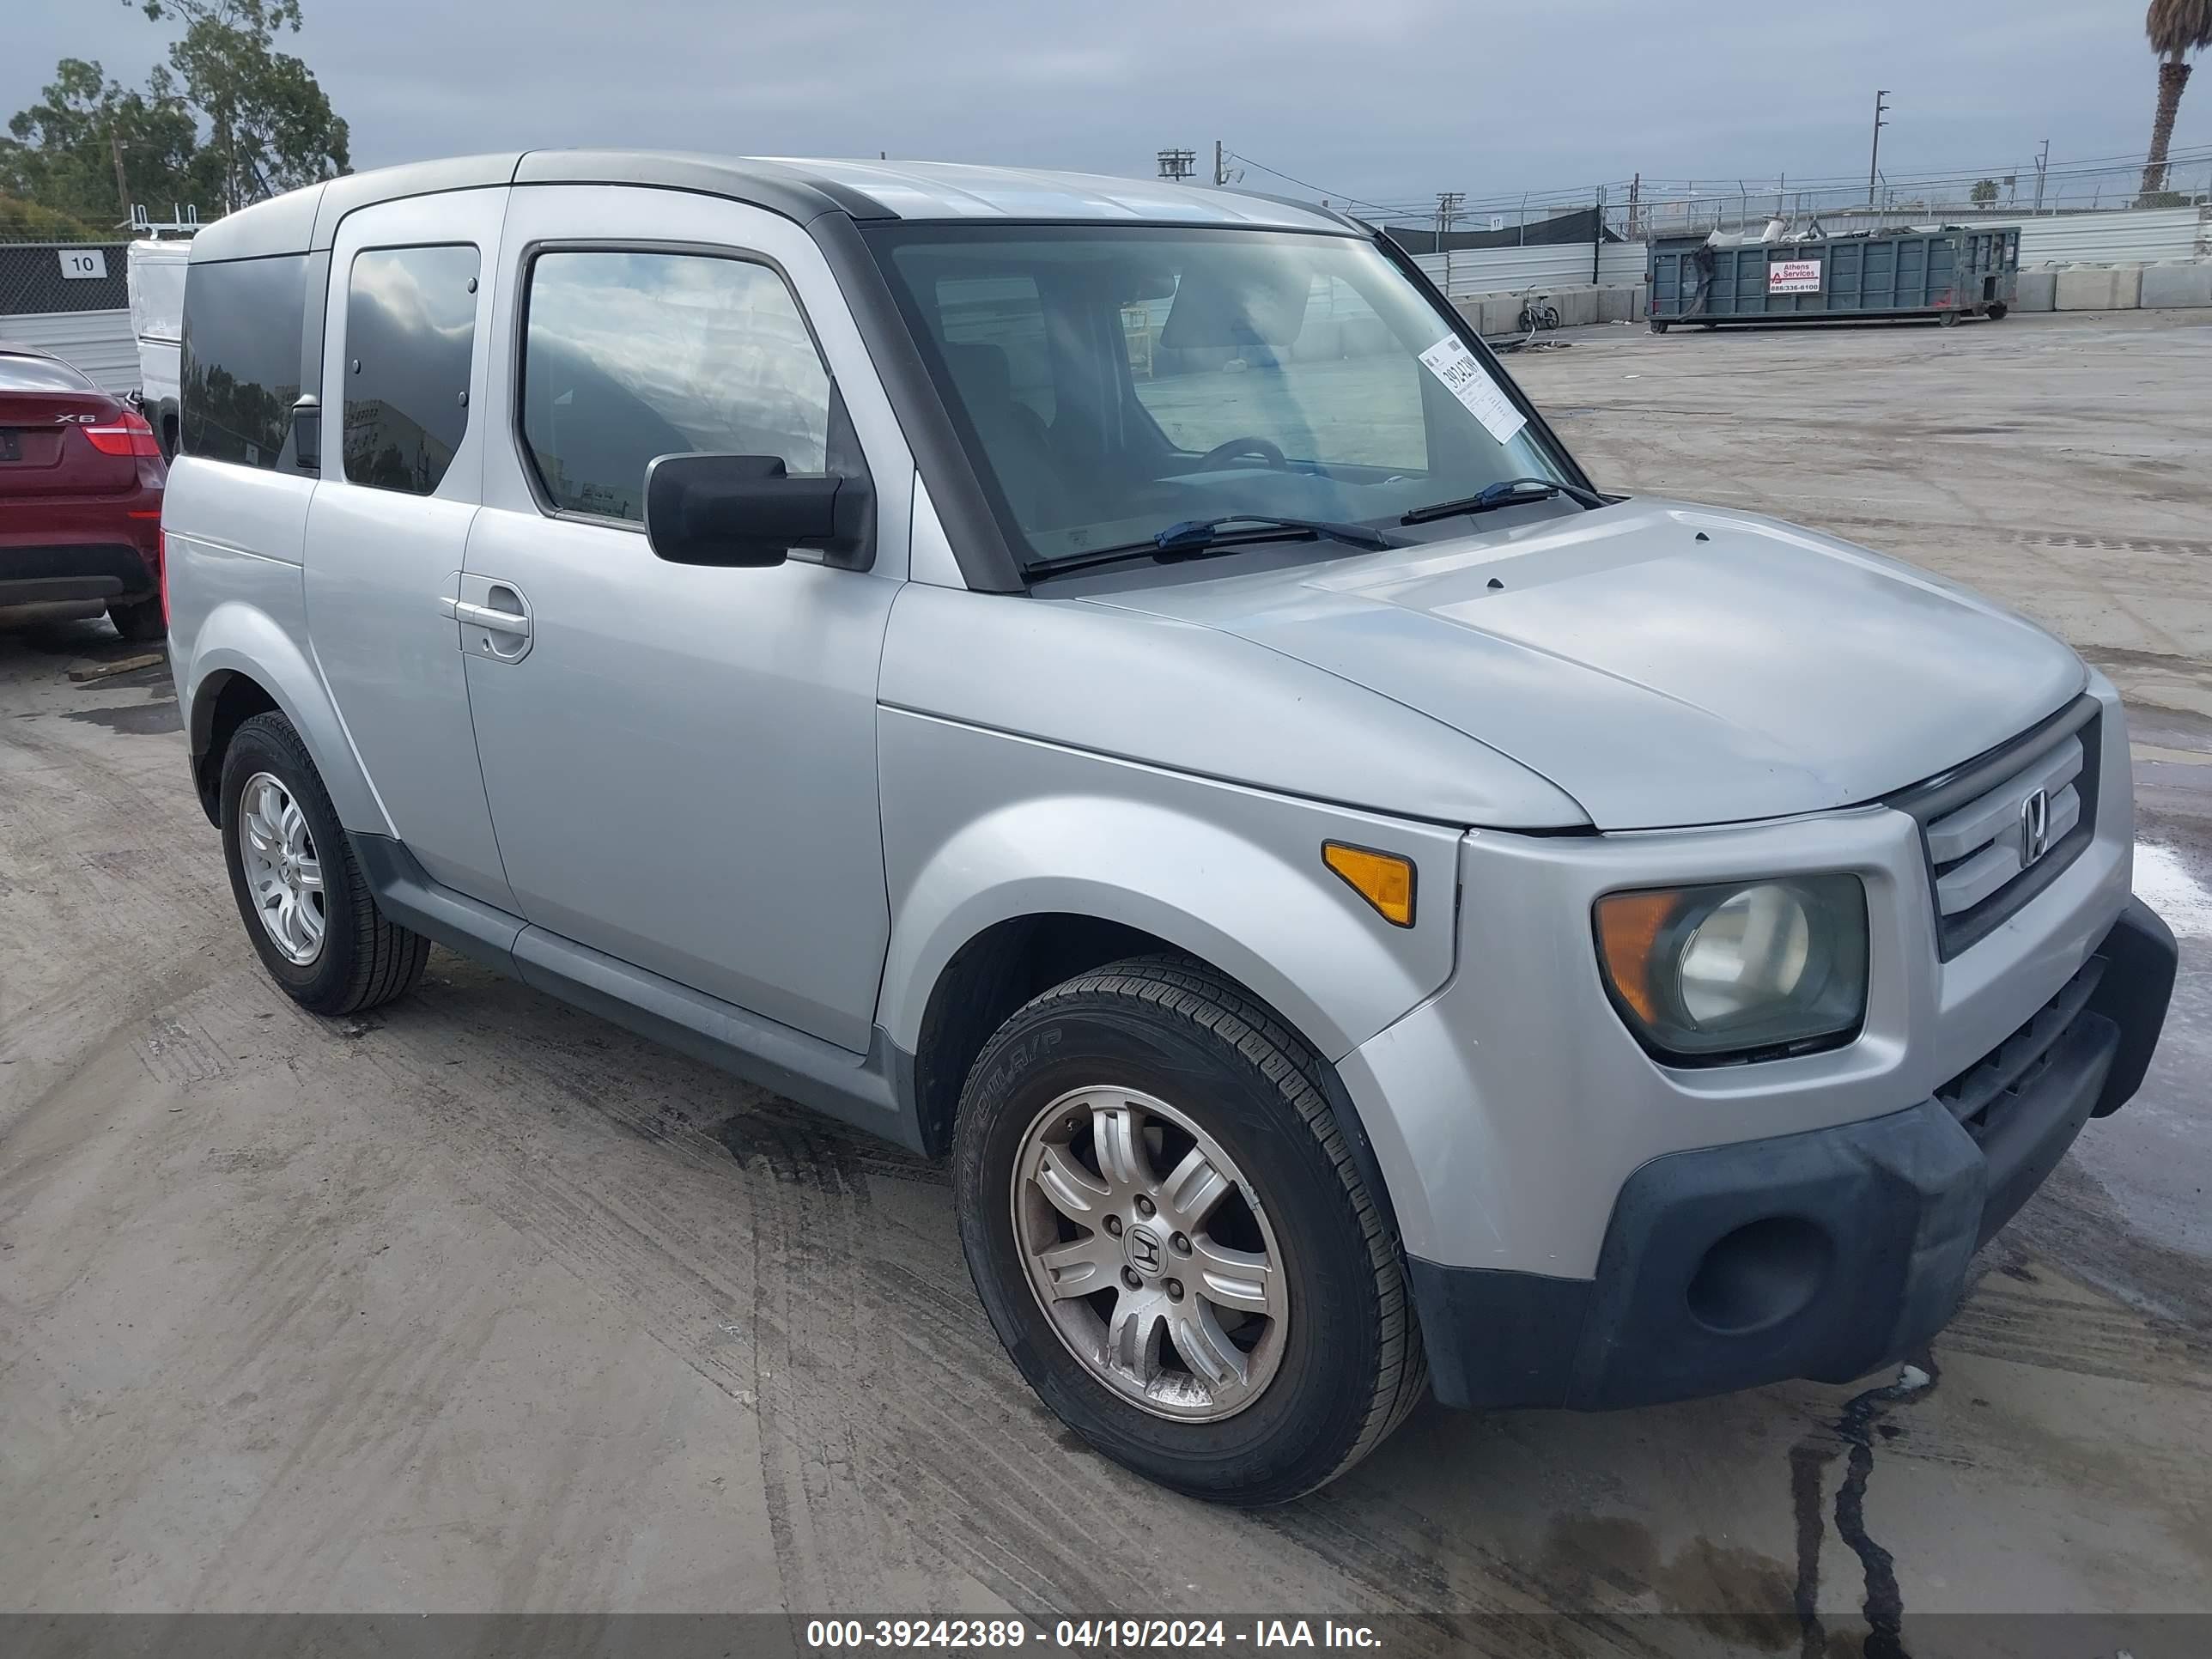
(2034, 827)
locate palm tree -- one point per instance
(2176, 28)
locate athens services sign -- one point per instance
(1794, 277)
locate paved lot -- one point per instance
(479, 1303)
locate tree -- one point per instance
(270, 126)
(63, 155)
(2175, 28)
(1984, 192)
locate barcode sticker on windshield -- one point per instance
(1450, 362)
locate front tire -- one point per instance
(1163, 1220)
(304, 902)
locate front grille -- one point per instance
(1979, 831)
(1980, 1097)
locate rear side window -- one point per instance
(627, 356)
(41, 374)
(240, 369)
(410, 328)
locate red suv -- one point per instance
(80, 478)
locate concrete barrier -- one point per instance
(2036, 291)
(2165, 287)
(1577, 306)
(2100, 288)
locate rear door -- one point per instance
(405, 373)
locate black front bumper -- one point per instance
(1827, 1254)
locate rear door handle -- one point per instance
(491, 621)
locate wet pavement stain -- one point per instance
(1740, 1595)
(135, 720)
(1852, 1432)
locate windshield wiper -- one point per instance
(1506, 492)
(1195, 537)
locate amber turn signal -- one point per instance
(1383, 880)
(1628, 927)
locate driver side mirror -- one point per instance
(747, 511)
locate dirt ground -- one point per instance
(482, 1304)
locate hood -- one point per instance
(1665, 665)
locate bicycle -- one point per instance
(1537, 312)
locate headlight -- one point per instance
(1738, 970)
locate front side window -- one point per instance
(627, 356)
(1112, 381)
(239, 373)
(410, 328)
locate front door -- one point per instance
(681, 761)
(404, 371)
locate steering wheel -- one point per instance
(1266, 451)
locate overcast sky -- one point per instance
(1384, 100)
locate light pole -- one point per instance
(1880, 109)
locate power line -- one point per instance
(1302, 184)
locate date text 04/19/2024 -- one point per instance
(1078, 1634)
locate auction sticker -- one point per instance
(1450, 362)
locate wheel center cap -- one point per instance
(1142, 1247)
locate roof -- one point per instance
(802, 189)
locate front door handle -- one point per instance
(494, 618)
(491, 621)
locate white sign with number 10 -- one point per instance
(84, 264)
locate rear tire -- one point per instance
(359, 960)
(140, 621)
(1312, 1397)
(1997, 309)
(1658, 327)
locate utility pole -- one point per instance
(1635, 196)
(121, 187)
(1448, 206)
(2042, 167)
(1178, 164)
(1880, 109)
(1220, 165)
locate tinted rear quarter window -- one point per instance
(410, 327)
(240, 369)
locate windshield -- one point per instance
(1110, 381)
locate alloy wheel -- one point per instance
(283, 872)
(1150, 1253)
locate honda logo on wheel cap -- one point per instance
(1143, 1251)
(2034, 827)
